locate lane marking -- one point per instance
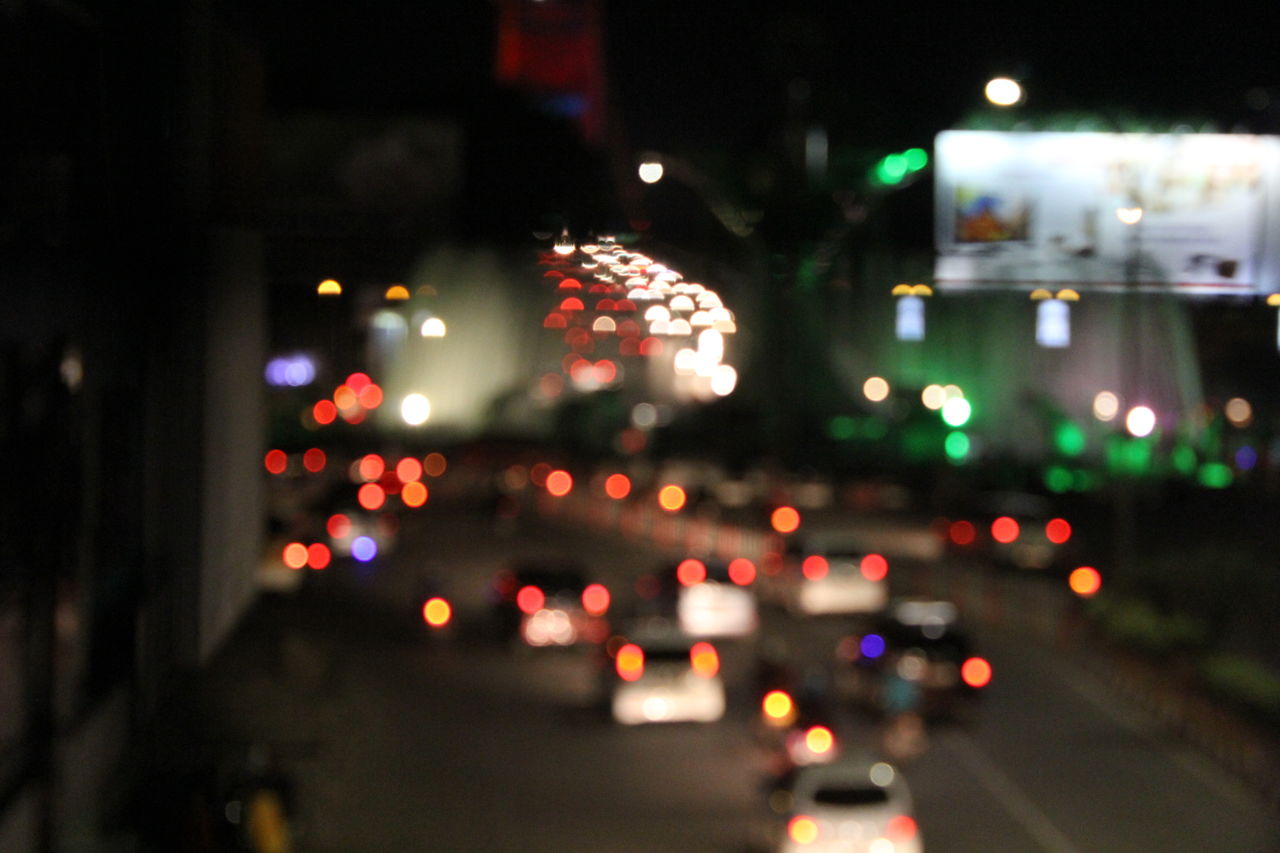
(1019, 806)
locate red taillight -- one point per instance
(901, 828)
(815, 567)
(629, 662)
(802, 829)
(742, 571)
(1004, 529)
(1057, 530)
(691, 572)
(595, 599)
(530, 599)
(704, 659)
(976, 672)
(874, 567)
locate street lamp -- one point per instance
(1003, 91)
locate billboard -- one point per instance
(1191, 213)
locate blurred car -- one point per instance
(549, 602)
(852, 805)
(666, 677)
(830, 575)
(707, 598)
(918, 658)
(1015, 529)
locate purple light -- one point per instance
(364, 549)
(1246, 458)
(872, 646)
(291, 371)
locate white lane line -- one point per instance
(1019, 806)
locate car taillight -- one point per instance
(802, 829)
(691, 572)
(874, 567)
(629, 662)
(742, 571)
(530, 599)
(704, 659)
(778, 708)
(819, 740)
(901, 828)
(976, 672)
(814, 567)
(595, 599)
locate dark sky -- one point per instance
(684, 72)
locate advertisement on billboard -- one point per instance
(1191, 213)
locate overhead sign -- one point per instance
(1192, 213)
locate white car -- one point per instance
(667, 680)
(839, 581)
(717, 601)
(852, 805)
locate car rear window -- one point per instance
(850, 795)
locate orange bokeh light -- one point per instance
(295, 555)
(436, 612)
(630, 662)
(344, 397)
(785, 519)
(1085, 581)
(370, 396)
(414, 494)
(318, 555)
(803, 830)
(371, 496)
(276, 461)
(976, 672)
(617, 486)
(559, 483)
(671, 498)
(434, 464)
(371, 467)
(408, 469)
(704, 659)
(819, 740)
(777, 704)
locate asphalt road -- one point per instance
(401, 739)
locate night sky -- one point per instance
(705, 74)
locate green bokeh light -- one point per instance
(1069, 438)
(842, 427)
(1058, 479)
(1214, 475)
(956, 446)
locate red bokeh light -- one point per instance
(976, 672)
(276, 461)
(338, 526)
(815, 567)
(318, 555)
(314, 460)
(530, 599)
(691, 571)
(371, 496)
(742, 571)
(617, 486)
(324, 412)
(962, 532)
(1004, 529)
(874, 567)
(595, 599)
(559, 483)
(785, 519)
(1057, 530)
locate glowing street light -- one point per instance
(1140, 421)
(1003, 92)
(651, 171)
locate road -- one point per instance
(405, 740)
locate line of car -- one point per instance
(659, 662)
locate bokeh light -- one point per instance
(872, 646)
(318, 555)
(803, 829)
(530, 599)
(875, 389)
(314, 460)
(742, 571)
(874, 567)
(595, 599)
(1106, 406)
(364, 548)
(1238, 411)
(976, 672)
(295, 555)
(338, 526)
(815, 567)
(777, 705)
(413, 494)
(785, 519)
(933, 396)
(408, 469)
(1140, 421)
(436, 612)
(324, 412)
(415, 409)
(1057, 530)
(1085, 581)
(371, 496)
(276, 461)
(1003, 91)
(691, 571)
(371, 467)
(1005, 529)
(671, 498)
(617, 486)
(434, 464)
(559, 483)
(962, 532)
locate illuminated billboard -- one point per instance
(1192, 213)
